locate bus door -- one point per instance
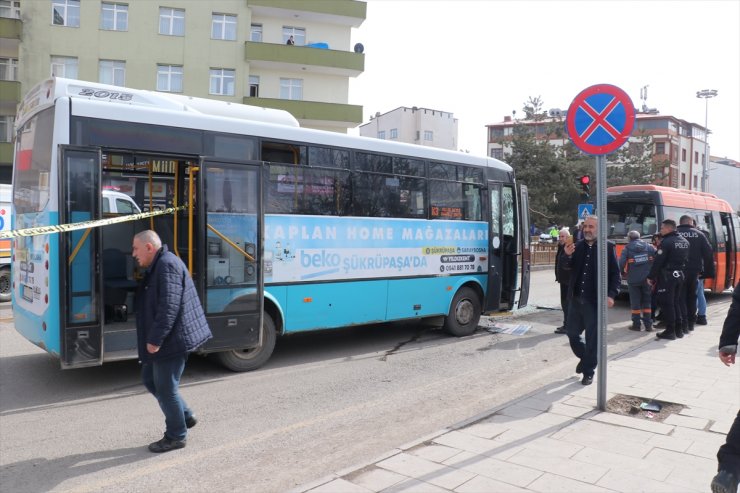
(230, 229)
(726, 234)
(526, 257)
(80, 277)
(505, 250)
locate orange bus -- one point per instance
(644, 207)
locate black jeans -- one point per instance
(582, 318)
(564, 301)
(669, 287)
(728, 455)
(688, 302)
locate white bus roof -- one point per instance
(45, 93)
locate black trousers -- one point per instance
(688, 297)
(564, 301)
(669, 289)
(728, 455)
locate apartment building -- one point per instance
(679, 143)
(421, 126)
(231, 50)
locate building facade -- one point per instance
(421, 126)
(680, 144)
(724, 180)
(294, 55)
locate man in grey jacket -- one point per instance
(636, 260)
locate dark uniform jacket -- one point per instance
(562, 275)
(672, 256)
(731, 328)
(701, 257)
(168, 311)
(637, 257)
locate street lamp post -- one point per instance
(706, 94)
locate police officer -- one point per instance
(700, 261)
(667, 272)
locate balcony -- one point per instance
(345, 13)
(296, 58)
(314, 113)
(10, 28)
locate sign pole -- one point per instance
(602, 272)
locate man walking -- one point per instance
(637, 258)
(170, 324)
(728, 456)
(667, 273)
(582, 259)
(562, 275)
(700, 261)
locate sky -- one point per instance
(482, 59)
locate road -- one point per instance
(324, 402)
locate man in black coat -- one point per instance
(700, 261)
(562, 275)
(582, 260)
(170, 324)
(728, 456)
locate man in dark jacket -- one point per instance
(700, 261)
(728, 456)
(582, 260)
(170, 324)
(636, 259)
(667, 273)
(562, 275)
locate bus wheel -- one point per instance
(5, 284)
(464, 313)
(252, 358)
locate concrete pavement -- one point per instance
(556, 440)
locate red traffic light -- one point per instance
(585, 180)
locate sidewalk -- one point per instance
(556, 440)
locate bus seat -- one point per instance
(635, 227)
(115, 282)
(619, 229)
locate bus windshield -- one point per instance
(623, 217)
(33, 163)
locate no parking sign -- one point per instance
(600, 119)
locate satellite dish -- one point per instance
(359, 48)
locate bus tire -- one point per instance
(5, 283)
(252, 358)
(464, 313)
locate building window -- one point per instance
(696, 157)
(255, 33)
(223, 26)
(254, 86)
(64, 66)
(112, 72)
(171, 22)
(394, 133)
(428, 135)
(114, 17)
(6, 128)
(65, 13)
(683, 179)
(169, 78)
(381, 134)
(10, 9)
(683, 155)
(8, 69)
(291, 89)
(298, 33)
(222, 82)
(660, 148)
(497, 153)
(696, 182)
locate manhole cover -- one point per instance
(630, 405)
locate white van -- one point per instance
(119, 203)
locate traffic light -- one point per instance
(585, 182)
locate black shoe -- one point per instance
(561, 330)
(658, 323)
(679, 333)
(166, 445)
(579, 367)
(587, 380)
(701, 320)
(724, 482)
(191, 421)
(685, 330)
(667, 334)
(648, 328)
(635, 327)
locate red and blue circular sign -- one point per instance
(600, 119)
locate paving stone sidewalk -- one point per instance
(556, 440)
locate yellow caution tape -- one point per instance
(63, 228)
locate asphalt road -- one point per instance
(325, 401)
